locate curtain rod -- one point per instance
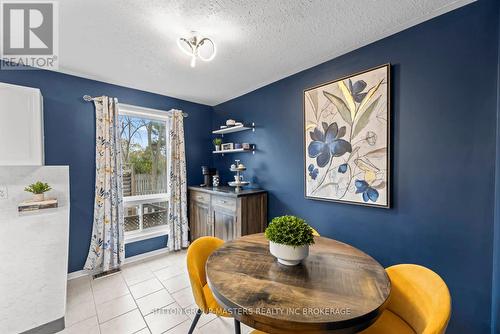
(89, 98)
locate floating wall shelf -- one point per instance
(232, 129)
(236, 150)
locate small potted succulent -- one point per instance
(217, 143)
(289, 239)
(38, 189)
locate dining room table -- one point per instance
(336, 289)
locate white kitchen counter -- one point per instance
(33, 252)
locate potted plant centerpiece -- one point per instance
(38, 189)
(289, 239)
(217, 143)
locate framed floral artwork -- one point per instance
(347, 139)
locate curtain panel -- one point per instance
(107, 249)
(176, 183)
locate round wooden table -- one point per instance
(337, 289)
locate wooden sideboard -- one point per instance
(225, 214)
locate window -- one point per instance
(144, 151)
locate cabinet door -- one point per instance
(225, 224)
(200, 220)
(21, 126)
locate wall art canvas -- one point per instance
(347, 140)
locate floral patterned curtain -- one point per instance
(176, 183)
(107, 245)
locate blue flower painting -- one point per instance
(368, 193)
(346, 124)
(342, 168)
(328, 144)
(313, 172)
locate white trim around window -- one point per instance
(156, 114)
(148, 233)
(140, 200)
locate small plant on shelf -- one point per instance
(217, 143)
(38, 189)
(289, 239)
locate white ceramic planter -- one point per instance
(288, 255)
(38, 197)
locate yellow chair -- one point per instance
(315, 233)
(197, 255)
(419, 303)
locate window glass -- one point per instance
(144, 155)
(132, 220)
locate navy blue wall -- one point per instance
(70, 140)
(495, 307)
(444, 84)
(445, 138)
(140, 247)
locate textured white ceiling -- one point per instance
(133, 43)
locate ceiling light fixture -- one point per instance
(197, 46)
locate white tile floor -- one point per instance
(149, 297)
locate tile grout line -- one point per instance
(150, 293)
(170, 294)
(116, 316)
(130, 311)
(139, 281)
(178, 323)
(95, 305)
(137, 306)
(144, 316)
(85, 319)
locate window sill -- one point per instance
(144, 199)
(148, 234)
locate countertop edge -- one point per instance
(215, 191)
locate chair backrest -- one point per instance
(315, 233)
(197, 255)
(420, 297)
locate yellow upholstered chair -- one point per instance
(197, 255)
(419, 303)
(315, 233)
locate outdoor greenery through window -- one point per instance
(144, 155)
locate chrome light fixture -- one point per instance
(197, 46)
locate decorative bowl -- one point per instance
(289, 255)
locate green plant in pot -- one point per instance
(38, 189)
(289, 239)
(217, 143)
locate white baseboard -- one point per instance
(147, 255)
(77, 274)
(128, 260)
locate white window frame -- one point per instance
(140, 200)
